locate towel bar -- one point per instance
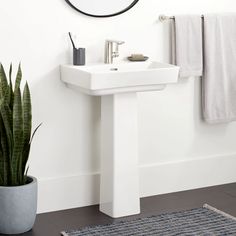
(163, 18)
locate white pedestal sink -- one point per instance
(118, 85)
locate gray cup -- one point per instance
(18, 206)
(79, 56)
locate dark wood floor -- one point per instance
(222, 197)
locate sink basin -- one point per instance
(98, 80)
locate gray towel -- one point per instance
(187, 44)
(219, 82)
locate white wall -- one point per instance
(177, 150)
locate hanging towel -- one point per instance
(219, 81)
(187, 44)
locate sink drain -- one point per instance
(114, 69)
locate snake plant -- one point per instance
(15, 129)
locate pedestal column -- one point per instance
(119, 190)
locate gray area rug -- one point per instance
(206, 221)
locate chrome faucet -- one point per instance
(111, 50)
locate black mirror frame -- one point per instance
(100, 16)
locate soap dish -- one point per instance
(135, 59)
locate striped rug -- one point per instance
(205, 221)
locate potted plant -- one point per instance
(18, 192)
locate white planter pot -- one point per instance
(18, 207)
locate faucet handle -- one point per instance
(118, 42)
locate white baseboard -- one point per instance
(83, 190)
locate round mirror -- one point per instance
(102, 8)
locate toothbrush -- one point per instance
(73, 44)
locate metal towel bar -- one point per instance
(163, 18)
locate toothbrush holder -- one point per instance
(79, 56)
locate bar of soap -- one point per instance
(137, 57)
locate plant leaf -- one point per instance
(25, 175)
(11, 88)
(27, 121)
(10, 71)
(1, 180)
(4, 155)
(3, 170)
(35, 132)
(4, 88)
(25, 157)
(17, 137)
(7, 118)
(27, 114)
(18, 78)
